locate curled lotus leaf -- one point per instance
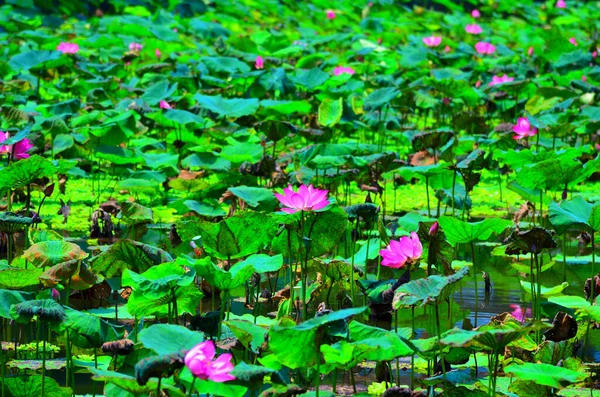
(11, 223)
(45, 309)
(161, 366)
(59, 273)
(433, 289)
(84, 278)
(21, 173)
(50, 253)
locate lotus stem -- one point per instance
(475, 280)
(564, 252)
(439, 335)
(44, 366)
(158, 387)
(318, 372)
(453, 189)
(412, 357)
(221, 313)
(427, 192)
(191, 390)
(593, 289)
(289, 241)
(334, 381)
(96, 366)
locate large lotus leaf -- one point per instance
(575, 213)
(11, 298)
(275, 130)
(88, 331)
(31, 386)
(546, 374)
(21, 173)
(330, 112)
(50, 253)
(237, 275)
(202, 209)
(135, 213)
(254, 374)
(31, 59)
(389, 344)
(182, 116)
(250, 335)
(554, 173)
(127, 254)
(237, 236)
(459, 232)
(130, 384)
(433, 289)
(156, 302)
(306, 337)
(256, 197)
(11, 223)
(166, 275)
(45, 309)
(494, 337)
(263, 263)
(169, 338)
(206, 387)
(379, 98)
(431, 140)
(326, 231)
(17, 278)
(60, 273)
(39, 235)
(546, 292)
(117, 155)
(347, 355)
(85, 278)
(310, 78)
(234, 107)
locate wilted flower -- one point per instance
(573, 41)
(523, 128)
(500, 80)
(260, 62)
(157, 53)
(561, 4)
(200, 361)
(68, 48)
(19, 150)
(164, 105)
(398, 253)
(485, 48)
(330, 14)
(305, 199)
(432, 41)
(473, 29)
(530, 51)
(343, 69)
(475, 14)
(519, 313)
(135, 47)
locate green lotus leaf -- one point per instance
(169, 338)
(546, 292)
(31, 386)
(23, 172)
(258, 198)
(237, 275)
(11, 223)
(254, 374)
(330, 112)
(31, 59)
(574, 213)
(130, 384)
(430, 290)
(251, 335)
(39, 235)
(17, 278)
(128, 254)
(460, 232)
(50, 253)
(546, 374)
(306, 336)
(234, 107)
(45, 309)
(88, 331)
(135, 213)
(11, 298)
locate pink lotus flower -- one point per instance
(485, 48)
(523, 129)
(594, 54)
(433, 230)
(473, 29)
(343, 69)
(19, 150)
(398, 253)
(573, 41)
(137, 47)
(519, 313)
(330, 14)
(478, 84)
(597, 147)
(530, 51)
(157, 53)
(200, 362)
(500, 80)
(432, 41)
(561, 4)
(260, 62)
(164, 105)
(68, 48)
(475, 14)
(305, 199)
(447, 49)
(583, 78)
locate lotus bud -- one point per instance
(587, 98)
(55, 294)
(49, 190)
(433, 230)
(565, 193)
